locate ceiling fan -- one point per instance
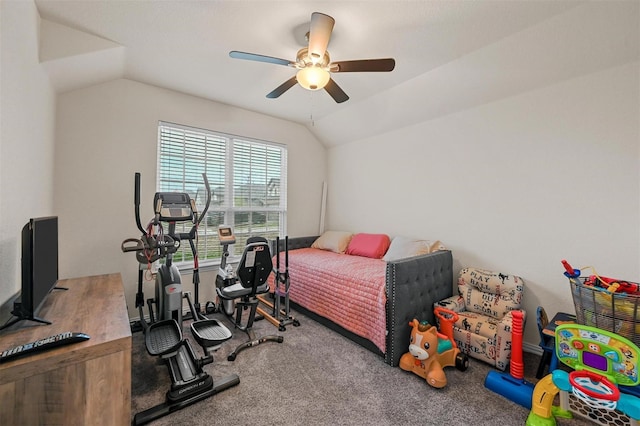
(314, 63)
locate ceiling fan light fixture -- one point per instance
(315, 58)
(313, 77)
(313, 64)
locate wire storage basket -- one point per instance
(612, 311)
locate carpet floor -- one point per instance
(318, 377)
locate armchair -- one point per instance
(484, 304)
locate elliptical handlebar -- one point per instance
(132, 244)
(136, 202)
(208, 202)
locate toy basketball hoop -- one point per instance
(594, 390)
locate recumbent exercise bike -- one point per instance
(163, 335)
(238, 290)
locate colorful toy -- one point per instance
(605, 303)
(430, 351)
(612, 285)
(513, 386)
(601, 361)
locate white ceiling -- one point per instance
(450, 55)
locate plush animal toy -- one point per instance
(423, 357)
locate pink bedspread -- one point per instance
(348, 290)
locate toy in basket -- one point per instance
(430, 351)
(606, 303)
(601, 361)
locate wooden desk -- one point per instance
(78, 384)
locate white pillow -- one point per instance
(403, 247)
(336, 241)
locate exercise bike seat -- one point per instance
(238, 290)
(163, 337)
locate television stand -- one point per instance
(19, 317)
(67, 385)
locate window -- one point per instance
(248, 180)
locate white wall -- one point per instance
(514, 185)
(107, 132)
(26, 138)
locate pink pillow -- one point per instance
(369, 245)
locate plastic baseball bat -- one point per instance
(571, 273)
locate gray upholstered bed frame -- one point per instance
(413, 285)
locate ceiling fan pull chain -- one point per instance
(313, 123)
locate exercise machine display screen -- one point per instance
(225, 233)
(173, 207)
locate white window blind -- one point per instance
(248, 180)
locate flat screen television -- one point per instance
(39, 268)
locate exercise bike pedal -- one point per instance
(210, 308)
(210, 333)
(163, 337)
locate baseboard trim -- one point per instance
(530, 348)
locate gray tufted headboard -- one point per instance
(413, 286)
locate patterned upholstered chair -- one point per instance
(484, 305)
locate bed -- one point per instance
(370, 301)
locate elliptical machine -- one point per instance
(163, 336)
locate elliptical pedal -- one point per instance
(210, 333)
(163, 337)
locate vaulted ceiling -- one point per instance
(450, 55)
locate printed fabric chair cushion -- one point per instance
(490, 293)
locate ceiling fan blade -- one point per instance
(336, 92)
(260, 58)
(364, 65)
(319, 35)
(282, 88)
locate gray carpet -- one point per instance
(318, 377)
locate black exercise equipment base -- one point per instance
(165, 408)
(253, 342)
